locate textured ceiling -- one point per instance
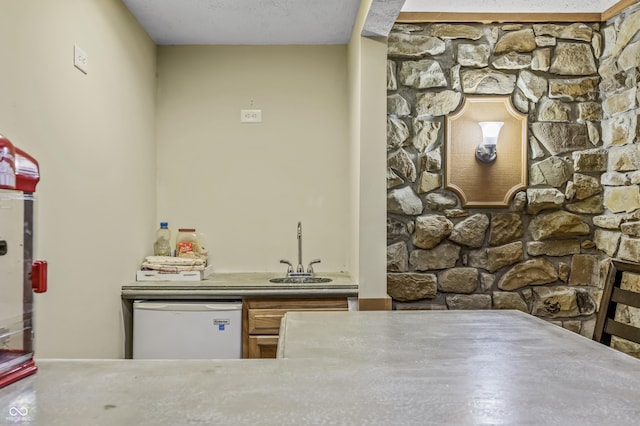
(246, 21)
(309, 21)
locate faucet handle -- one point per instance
(290, 268)
(310, 267)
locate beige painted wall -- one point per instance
(103, 189)
(245, 186)
(94, 138)
(367, 106)
(354, 70)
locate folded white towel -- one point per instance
(174, 261)
(171, 268)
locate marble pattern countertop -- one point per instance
(241, 284)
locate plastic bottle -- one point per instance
(187, 242)
(162, 246)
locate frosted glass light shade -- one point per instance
(487, 151)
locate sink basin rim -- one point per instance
(300, 280)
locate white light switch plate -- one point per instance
(80, 59)
(250, 115)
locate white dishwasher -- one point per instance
(187, 329)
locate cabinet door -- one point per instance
(263, 346)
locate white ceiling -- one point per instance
(307, 21)
(246, 21)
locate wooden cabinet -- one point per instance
(261, 321)
(262, 347)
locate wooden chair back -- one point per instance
(606, 323)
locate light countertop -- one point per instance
(240, 284)
(381, 368)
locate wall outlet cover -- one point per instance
(250, 116)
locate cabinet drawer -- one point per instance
(265, 321)
(299, 304)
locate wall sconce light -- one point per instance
(473, 168)
(487, 151)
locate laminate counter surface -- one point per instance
(241, 284)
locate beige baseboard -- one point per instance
(381, 304)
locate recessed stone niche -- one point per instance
(482, 183)
(545, 253)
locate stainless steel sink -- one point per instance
(300, 280)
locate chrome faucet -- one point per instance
(299, 271)
(310, 267)
(300, 267)
(290, 268)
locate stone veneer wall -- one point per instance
(617, 231)
(545, 253)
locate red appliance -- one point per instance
(20, 277)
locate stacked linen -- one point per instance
(173, 265)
